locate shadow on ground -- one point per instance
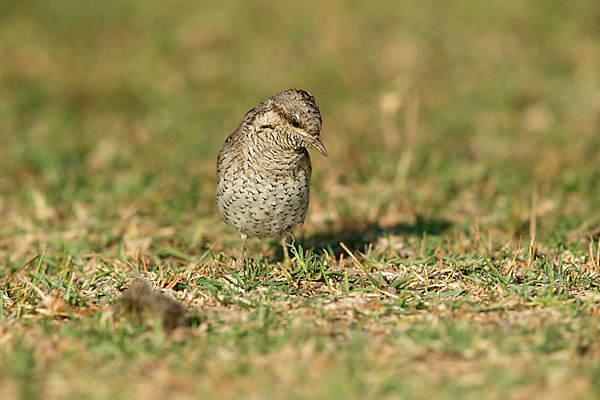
(358, 235)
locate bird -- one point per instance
(264, 169)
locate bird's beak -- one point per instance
(315, 141)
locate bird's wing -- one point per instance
(228, 150)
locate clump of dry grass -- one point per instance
(140, 300)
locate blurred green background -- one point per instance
(453, 110)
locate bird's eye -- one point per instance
(295, 123)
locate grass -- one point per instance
(452, 245)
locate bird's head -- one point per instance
(292, 118)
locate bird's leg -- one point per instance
(243, 249)
(286, 255)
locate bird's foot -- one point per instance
(240, 264)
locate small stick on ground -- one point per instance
(532, 226)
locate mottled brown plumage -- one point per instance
(263, 169)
